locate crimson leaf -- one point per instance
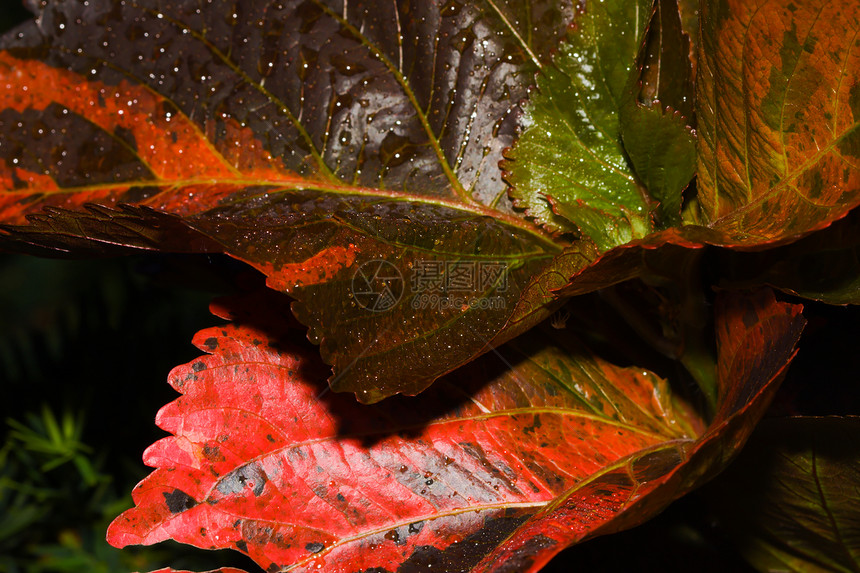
(263, 460)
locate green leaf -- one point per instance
(689, 10)
(664, 71)
(662, 149)
(791, 500)
(778, 117)
(568, 167)
(778, 113)
(657, 113)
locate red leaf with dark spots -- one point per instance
(273, 465)
(265, 461)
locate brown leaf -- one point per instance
(308, 139)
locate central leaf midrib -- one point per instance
(516, 34)
(296, 183)
(507, 413)
(472, 208)
(825, 505)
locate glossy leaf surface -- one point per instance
(778, 117)
(776, 130)
(274, 466)
(689, 10)
(791, 498)
(568, 167)
(308, 138)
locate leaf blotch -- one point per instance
(523, 559)
(248, 477)
(315, 547)
(178, 501)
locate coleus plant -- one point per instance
(421, 183)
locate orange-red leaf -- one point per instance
(779, 117)
(264, 460)
(756, 337)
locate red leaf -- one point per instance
(161, 136)
(267, 462)
(756, 337)
(263, 460)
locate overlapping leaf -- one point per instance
(824, 266)
(791, 499)
(778, 117)
(306, 137)
(756, 337)
(568, 168)
(657, 113)
(274, 466)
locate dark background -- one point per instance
(94, 340)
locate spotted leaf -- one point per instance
(308, 138)
(264, 460)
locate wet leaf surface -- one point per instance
(276, 467)
(790, 500)
(308, 138)
(568, 168)
(657, 114)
